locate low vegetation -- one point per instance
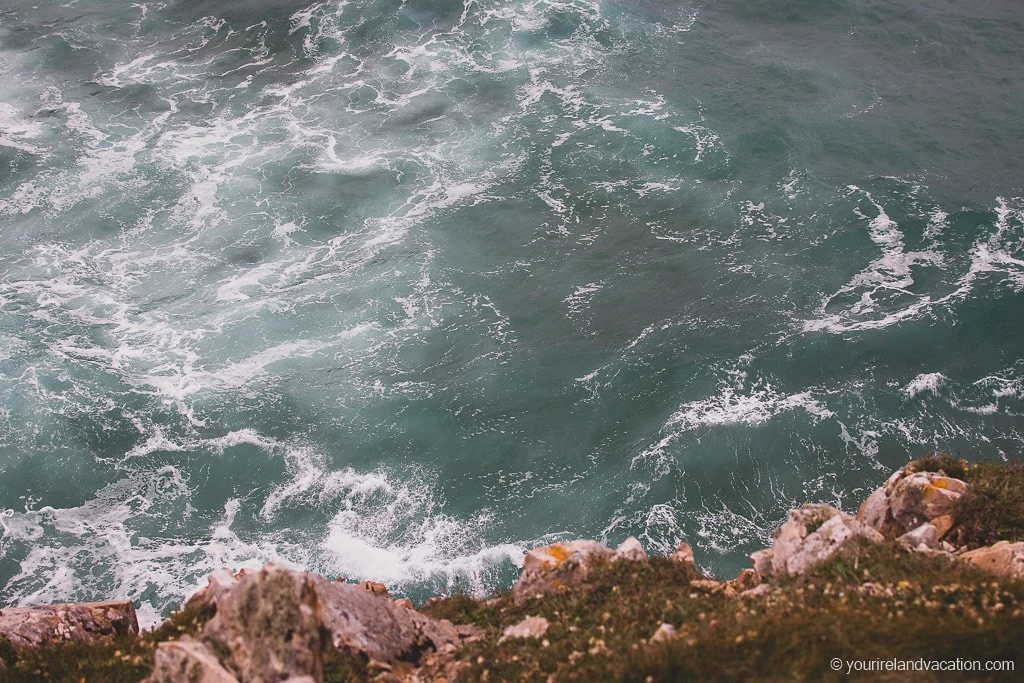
(869, 602)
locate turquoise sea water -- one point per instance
(396, 290)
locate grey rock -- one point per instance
(276, 623)
(924, 537)
(906, 501)
(270, 624)
(811, 534)
(921, 497)
(530, 627)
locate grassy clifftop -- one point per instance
(867, 602)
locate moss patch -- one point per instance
(943, 463)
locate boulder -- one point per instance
(908, 500)
(630, 550)
(762, 561)
(811, 535)
(923, 538)
(530, 627)
(1003, 559)
(876, 513)
(664, 633)
(942, 524)
(79, 622)
(361, 621)
(923, 496)
(187, 660)
(557, 567)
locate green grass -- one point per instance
(868, 602)
(121, 660)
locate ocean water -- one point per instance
(397, 289)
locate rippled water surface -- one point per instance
(395, 290)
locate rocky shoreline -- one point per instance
(936, 554)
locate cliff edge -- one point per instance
(927, 576)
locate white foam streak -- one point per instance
(732, 405)
(925, 383)
(889, 275)
(97, 534)
(387, 530)
(15, 131)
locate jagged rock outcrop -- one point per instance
(630, 550)
(218, 584)
(811, 535)
(908, 500)
(275, 624)
(684, 555)
(557, 567)
(80, 622)
(271, 625)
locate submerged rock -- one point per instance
(811, 535)
(78, 622)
